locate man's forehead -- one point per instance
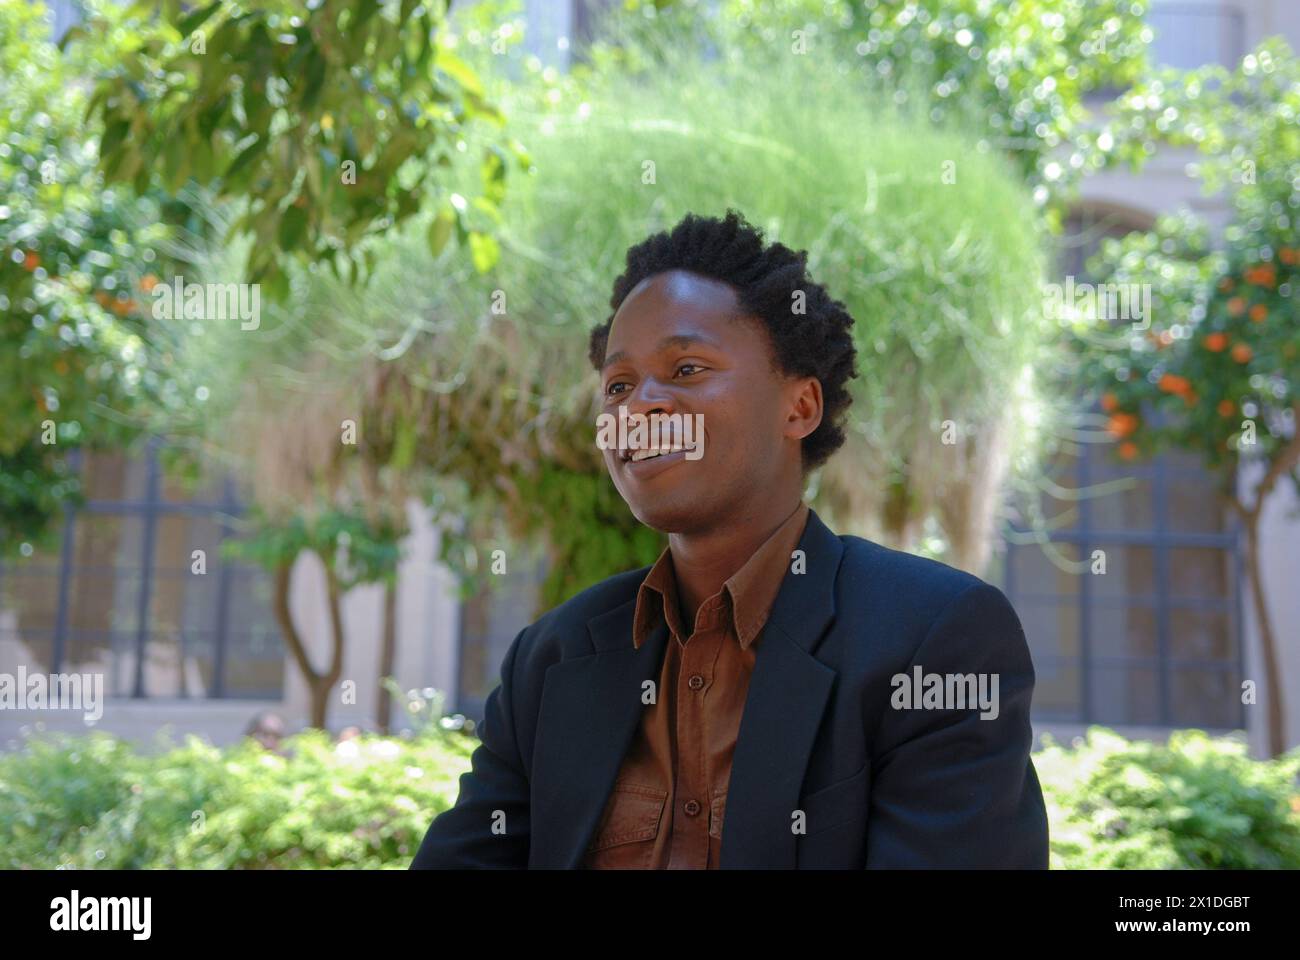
(700, 295)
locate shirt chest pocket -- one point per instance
(629, 828)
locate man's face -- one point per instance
(678, 345)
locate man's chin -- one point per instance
(672, 516)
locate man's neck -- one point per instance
(703, 562)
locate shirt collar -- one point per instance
(744, 601)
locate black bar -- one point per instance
(65, 574)
(146, 567)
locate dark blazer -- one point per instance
(878, 786)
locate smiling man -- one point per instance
(767, 694)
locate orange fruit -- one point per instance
(1241, 353)
(1173, 383)
(1227, 408)
(1259, 313)
(1264, 275)
(1128, 450)
(1109, 402)
(1216, 341)
(1236, 306)
(1121, 424)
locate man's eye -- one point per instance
(691, 367)
(610, 391)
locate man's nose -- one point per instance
(650, 396)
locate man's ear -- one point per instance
(804, 410)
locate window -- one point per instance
(1152, 641)
(489, 622)
(121, 596)
(1189, 35)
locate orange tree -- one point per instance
(1217, 371)
(73, 256)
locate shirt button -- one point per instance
(692, 807)
(696, 682)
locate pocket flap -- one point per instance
(717, 809)
(632, 814)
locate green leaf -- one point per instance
(293, 224)
(191, 22)
(246, 156)
(440, 231)
(484, 251)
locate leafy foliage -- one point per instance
(329, 119)
(357, 547)
(74, 262)
(1195, 803)
(1016, 73)
(95, 802)
(1224, 347)
(941, 274)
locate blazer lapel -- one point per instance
(589, 713)
(787, 694)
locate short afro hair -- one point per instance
(817, 343)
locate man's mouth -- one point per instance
(667, 442)
(650, 462)
(636, 456)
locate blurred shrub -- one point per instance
(53, 788)
(1198, 802)
(94, 802)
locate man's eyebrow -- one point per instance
(676, 340)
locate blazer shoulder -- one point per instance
(903, 576)
(569, 619)
(898, 598)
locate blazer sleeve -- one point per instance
(950, 788)
(463, 836)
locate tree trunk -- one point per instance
(320, 700)
(1283, 462)
(1268, 648)
(318, 685)
(387, 655)
(331, 678)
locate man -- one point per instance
(768, 694)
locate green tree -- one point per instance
(304, 135)
(353, 549)
(75, 261)
(327, 122)
(499, 359)
(767, 106)
(1017, 74)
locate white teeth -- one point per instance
(640, 455)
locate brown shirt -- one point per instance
(667, 805)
